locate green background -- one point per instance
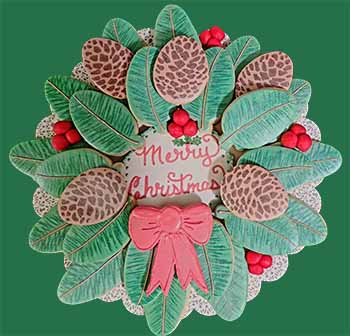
(42, 38)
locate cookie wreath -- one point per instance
(173, 167)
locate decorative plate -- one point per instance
(176, 172)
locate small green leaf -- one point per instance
(55, 173)
(27, 156)
(258, 118)
(144, 101)
(242, 50)
(47, 235)
(58, 91)
(300, 89)
(325, 159)
(105, 123)
(136, 275)
(172, 21)
(123, 32)
(83, 283)
(311, 227)
(290, 166)
(218, 92)
(164, 313)
(216, 262)
(232, 302)
(273, 237)
(92, 243)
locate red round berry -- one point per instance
(298, 129)
(181, 117)
(213, 42)
(289, 139)
(73, 136)
(253, 257)
(217, 33)
(256, 269)
(59, 142)
(304, 142)
(62, 127)
(265, 261)
(175, 130)
(191, 128)
(204, 37)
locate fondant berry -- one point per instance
(73, 136)
(175, 130)
(61, 127)
(253, 257)
(204, 37)
(217, 33)
(298, 129)
(256, 269)
(304, 142)
(265, 261)
(213, 42)
(289, 139)
(59, 142)
(181, 117)
(191, 128)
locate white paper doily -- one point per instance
(43, 202)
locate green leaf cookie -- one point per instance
(218, 92)
(59, 90)
(258, 118)
(27, 156)
(165, 312)
(48, 234)
(83, 283)
(92, 243)
(144, 101)
(104, 122)
(123, 32)
(55, 173)
(172, 21)
(136, 275)
(216, 258)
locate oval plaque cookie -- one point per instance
(251, 192)
(271, 70)
(107, 62)
(93, 197)
(181, 70)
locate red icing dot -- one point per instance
(289, 139)
(213, 42)
(181, 117)
(73, 136)
(59, 142)
(175, 130)
(217, 33)
(62, 127)
(298, 129)
(204, 37)
(266, 261)
(304, 142)
(256, 269)
(253, 257)
(191, 128)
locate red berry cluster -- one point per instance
(65, 135)
(181, 124)
(296, 137)
(212, 37)
(257, 262)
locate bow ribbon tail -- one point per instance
(163, 269)
(187, 264)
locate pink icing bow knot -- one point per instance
(173, 231)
